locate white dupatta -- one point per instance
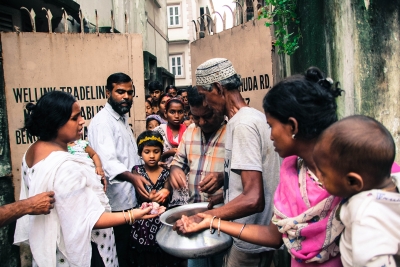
(80, 201)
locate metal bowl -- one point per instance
(199, 245)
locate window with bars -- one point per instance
(174, 16)
(176, 65)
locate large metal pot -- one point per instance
(199, 245)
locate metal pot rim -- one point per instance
(191, 206)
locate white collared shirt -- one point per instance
(111, 137)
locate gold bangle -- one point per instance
(123, 212)
(219, 225)
(212, 231)
(130, 217)
(133, 217)
(241, 230)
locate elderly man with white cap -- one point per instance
(251, 165)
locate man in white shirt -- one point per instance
(112, 138)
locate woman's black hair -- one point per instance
(149, 138)
(173, 100)
(161, 97)
(309, 98)
(148, 102)
(50, 113)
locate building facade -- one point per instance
(182, 16)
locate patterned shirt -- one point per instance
(197, 158)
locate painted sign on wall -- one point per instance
(36, 63)
(248, 47)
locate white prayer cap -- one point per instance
(214, 70)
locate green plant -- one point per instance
(283, 16)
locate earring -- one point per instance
(293, 136)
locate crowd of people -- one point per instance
(155, 104)
(294, 176)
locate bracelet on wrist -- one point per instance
(241, 230)
(123, 212)
(219, 226)
(212, 231)
(133, 218)
(130, 217)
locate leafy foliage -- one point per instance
(283, 16)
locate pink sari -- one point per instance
(305, 214)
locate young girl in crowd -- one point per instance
(81, 148)
(145, 250)
(78, 231)
(161, 107)
(147, 106)
(172, 131)
(154, 106)
(152, 122)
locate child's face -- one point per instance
(172, 92)
(152, 124)
(162, 103)
(151, 155)
(174, 114)
(187, 122)
(148, 109)
(333, 180)
(154, 109)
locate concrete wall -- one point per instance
(82, 72)
(241, 45)
(356, 42)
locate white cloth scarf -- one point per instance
(80, 201)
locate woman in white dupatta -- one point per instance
(77, 232)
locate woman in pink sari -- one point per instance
(298, 109)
